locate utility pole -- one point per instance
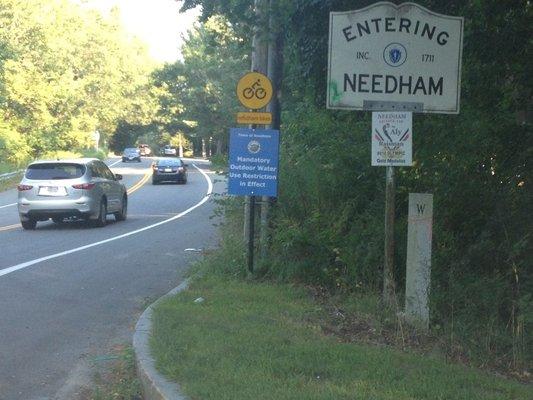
(259, 64)
(273, 72)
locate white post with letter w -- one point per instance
(418, 274)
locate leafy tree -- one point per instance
(201, 88)
(67, 71)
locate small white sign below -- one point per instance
(392, 139)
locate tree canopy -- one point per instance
(66, 71)
(199, 91)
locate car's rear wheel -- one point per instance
(29, 224)
(123, 213)
(102, 215)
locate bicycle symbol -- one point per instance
(254, 91)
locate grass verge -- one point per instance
(250, 340)
(119, 380)
(62, 154)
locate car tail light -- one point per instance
(22, 188)
(85, 186)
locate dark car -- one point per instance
(145, 150)
(131, 154)
(169, 170)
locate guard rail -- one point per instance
(9, 175)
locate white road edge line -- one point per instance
(115, 163)
(26, 264)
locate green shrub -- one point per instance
(328, 222)
(219, 162)
(85, 153)
(101, 154)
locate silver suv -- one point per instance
(82, 188)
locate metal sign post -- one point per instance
(389, 288)
(251, 237)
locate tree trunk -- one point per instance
(204, 149)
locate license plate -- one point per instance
(168, 169)
(52, 191)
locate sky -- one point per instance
(157, 22)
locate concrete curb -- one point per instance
(155, 386)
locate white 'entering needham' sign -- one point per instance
(388, 57)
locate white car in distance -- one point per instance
(168, 150)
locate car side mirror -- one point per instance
(118, 177)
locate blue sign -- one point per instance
(253, 162)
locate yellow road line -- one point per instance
(140, 183)
(135, 187)
(9, 227)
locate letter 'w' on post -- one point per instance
(420, 208)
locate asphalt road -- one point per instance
(70, 293)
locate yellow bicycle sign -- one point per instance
(254, 90)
